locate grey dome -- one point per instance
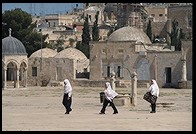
(12, 46)
(129, 34)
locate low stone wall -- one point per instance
(185, 84)
(88, 83)
(123, 100)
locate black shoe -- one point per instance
(67, 113)
(101, 113)
(152, 112)
(115, 113)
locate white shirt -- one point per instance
(109, 92)
(67, 87)
(154, 88)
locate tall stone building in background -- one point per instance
(132, 14)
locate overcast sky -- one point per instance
(38, 8)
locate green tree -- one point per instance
(149, 31)
(32, 42)
(84, 45)
(23, 29)
(95, 29)
(18, 20)
(175, 36)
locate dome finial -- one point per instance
(10, 31)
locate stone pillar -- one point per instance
(17, 81)
(112, 80)
(183, 82)
(183, 70)
(134, 89)
(25, 77)
(5, 78)
(155, 67)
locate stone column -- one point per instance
(17, 81)
(25, 77)
(134, 89)
(5, 78)
(183, 82)
(112, 81)
(183, 59)
(155, 67)
(183, 70)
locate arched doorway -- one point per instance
(11, 74)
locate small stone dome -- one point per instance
(12, 46)
(129, 34)
(46, 53)
(71, 53)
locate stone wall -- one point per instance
(49, 68)
(108, 52)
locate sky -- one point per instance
(41, 8)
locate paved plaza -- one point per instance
(40, 109)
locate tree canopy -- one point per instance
(175, 35)
(84, 45)
(95, 29)
(149, 31)
(23, 29)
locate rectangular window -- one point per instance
(108, 71)
(104, 71)
(34, 71)
(90, 17)
(59, 73)
(119, 71)
(189, 21)
(120, 51)
(160, 15)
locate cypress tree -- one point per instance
(175, 36)
(84, 45)
(149, 31)
(95, 29)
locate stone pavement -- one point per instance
(40, 109)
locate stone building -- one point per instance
(14, 63)
(128, 50)
(183, 15)
(55, 67)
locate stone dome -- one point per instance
(12, 46)
(46, 53)
(129, 34)
(71, 53)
